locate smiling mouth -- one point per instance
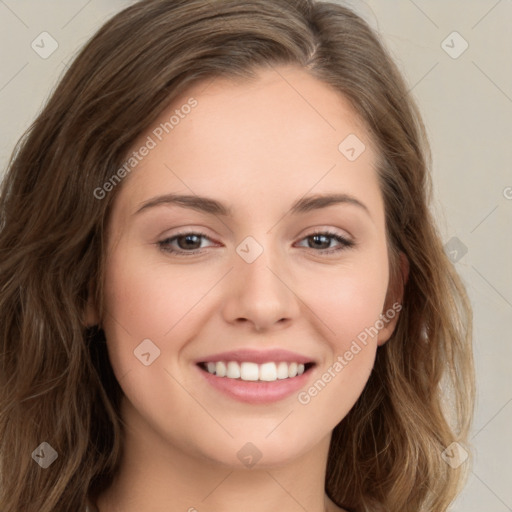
(254, 372)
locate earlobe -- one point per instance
(394, 300)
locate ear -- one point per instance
(394, 298)
(91, 316)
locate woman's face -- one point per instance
(251, 285)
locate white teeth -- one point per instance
(233, 370)
(220, 369)
(268, 372)
(282, 370)
(249, 371)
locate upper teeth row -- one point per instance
(253, 371)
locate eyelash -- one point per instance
(165, 244)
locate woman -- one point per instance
(222, 288)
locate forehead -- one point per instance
(281, 134)
(283, 107)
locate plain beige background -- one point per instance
(465, 95)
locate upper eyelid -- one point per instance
(316, 231)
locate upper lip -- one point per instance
(257, 356)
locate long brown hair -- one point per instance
(56, 383)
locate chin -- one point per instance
(258, 451)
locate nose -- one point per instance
(261, 294)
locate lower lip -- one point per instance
(257, 392)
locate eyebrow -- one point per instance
(214, 207)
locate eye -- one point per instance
(322, 240)
(188, 243)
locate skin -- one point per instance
(257, 147)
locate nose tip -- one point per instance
(260, 296)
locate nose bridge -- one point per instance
(258, 266)
(260, 292)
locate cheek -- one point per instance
(351, 305)
(146, 298)
(138, 307)
(349, 300)
(133, 298)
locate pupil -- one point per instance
(189, 241)
(317, 237)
